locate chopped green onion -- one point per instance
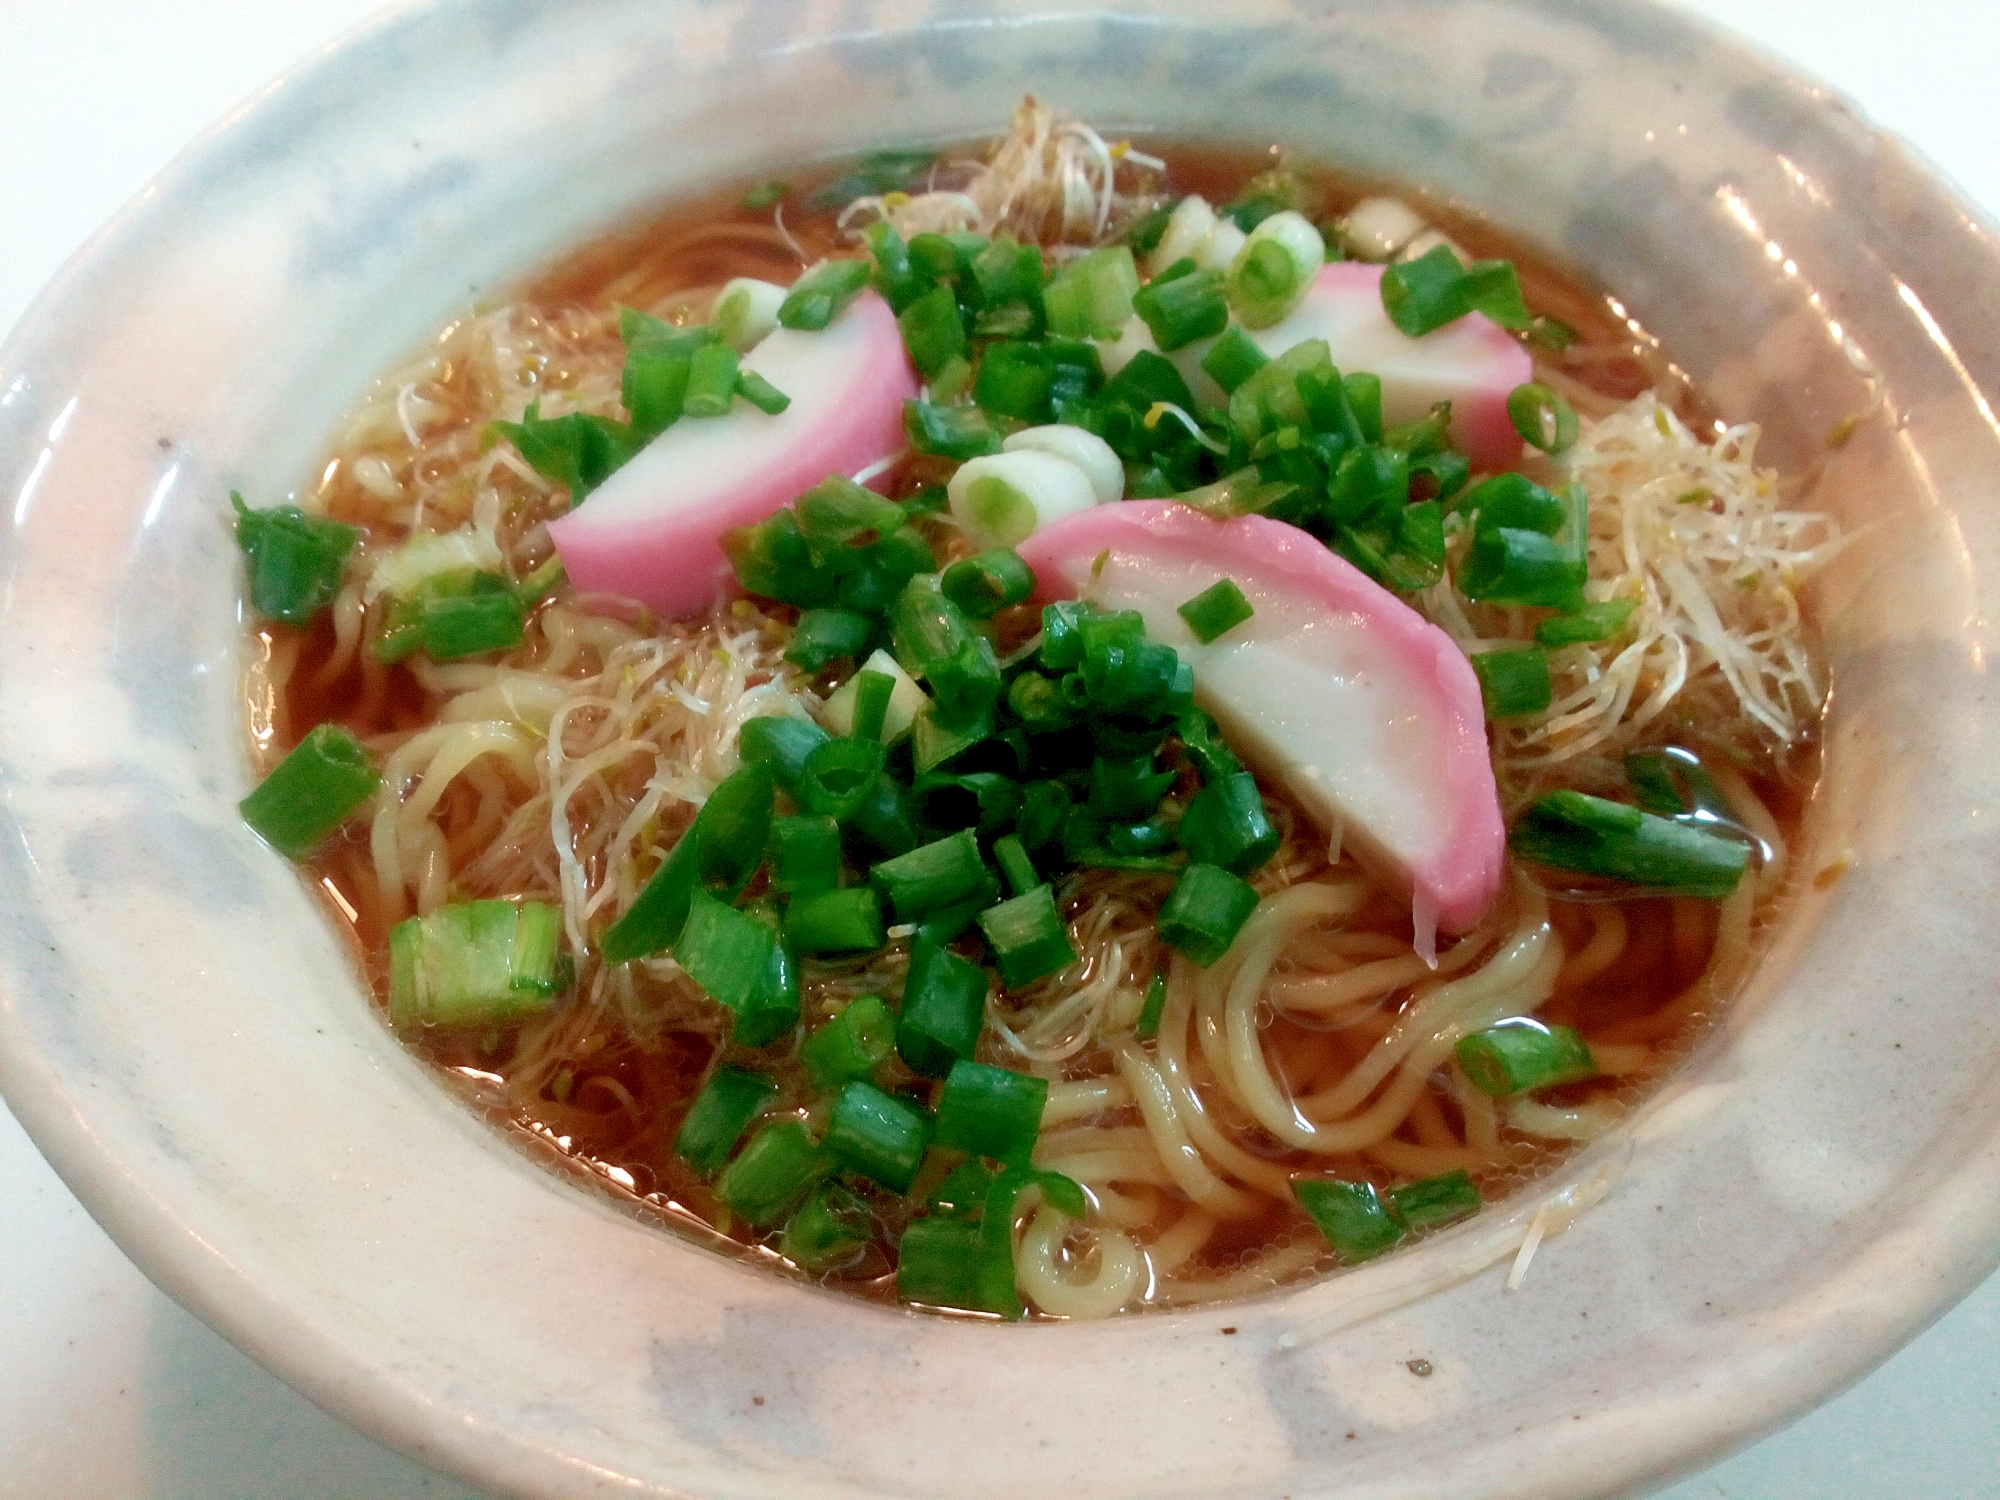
(656, 917)
(311, 792)
(1148, 1025)
(1126, 789)
(944, 1008)
(934, 640)
(1511, 566)
(872, 692)
(1438, 476)
(1038, 702)
(760, 393)
(838, 776)
(1183, 309)
(964, 1192)
(725, 951)
(576, 450)
(934, 743)
(824, 636)
(711, 382)
(1271, 274)
(1205, 912)
(1573, 831)
(722, 847)
(781, 742)
(486, 616)
(1062, 634)
(847, 921)
(1233, 358)
(931, 876)
(1435, 289)
(959, 432)
(997, 1291)
(1217, 609)
(837, 513)
(1542, 417)
(1352, 1216)
(1007, 272)
(475, 963)
(1603, 621)
(773, 1172)
(951, 379)
(991, 1112)
(1513, 681)
(772, 1010)
(1434, 1202)
(988, 582)
(983, 801)
(876, 1134)
(1012, 857)
(830, 1229)
(852, 1045)
(294, 560)
(818, 297)
(539, 584)
(939, 1264)
(1044, 804)
(945, 925)
(1226, 825)
(1673, 784)
(1521, 1053)
(1027, 938)
(881, 825)
(721, 1112)
(1015, 380)
(933, 332)
(1091, 297)
(1203, 744)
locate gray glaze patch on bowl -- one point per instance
(180, 1031)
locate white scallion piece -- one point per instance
(1188, 228)
(1376, 228)
(1271, 274)
(746, 311)
(1085, 449)
(1005, 498)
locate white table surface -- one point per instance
(109, 1391)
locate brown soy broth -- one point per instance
(609, 1115)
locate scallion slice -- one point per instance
(294, 560)
(1542, 417)
(772, 1173)
(721, 1112)
(711, 382)
(311, 792)
(931, 876)
(1091, 297)
(852, 1045)
(1433, 1202)
(991, 1112)
(876, 1134)
(824, 636)
(1356, 1221)
(1602, 621)
(987, 582)
(838, 775)
(848, 921)
(939, 1262)
(1012, 857)
(1183, 309)
(1155, 1006)
(944, 1007)
(1207, 909)
(1513, 681)
(829, 1230)
(1521, 1053)
(782, 743)
(1027, 937)
(1226, 825)
(475, 964)
(959, 432)
(932, 329)
(818, 297)
(1575, 831)
(723, 950)
(1216, 610)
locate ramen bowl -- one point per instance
(185, 1037)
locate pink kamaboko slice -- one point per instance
(1334, 689)
(651, 532)
(1473, 363)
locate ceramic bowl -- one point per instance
(183, 1036)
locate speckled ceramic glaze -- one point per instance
(181, 1032)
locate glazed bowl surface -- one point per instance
(185, 1038)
